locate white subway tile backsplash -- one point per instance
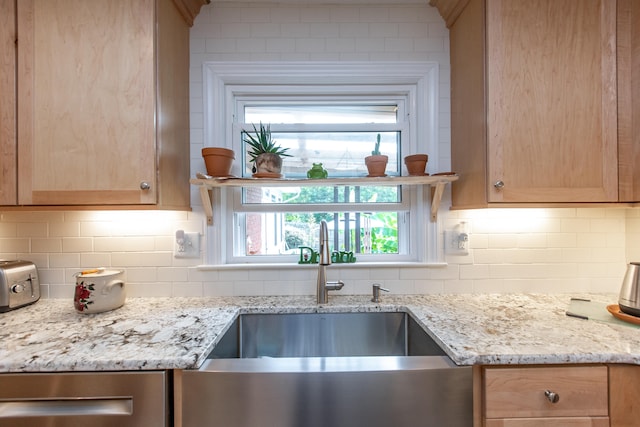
(503, 241)
(32, 229)
(77, 244)
(11, 245)
(64, 260)
(218, 289)
(93, 260)
(375, 15)
(562, 240)
(64, 229)
(185, 289)
(62, 291)
(153, 290)
(46, 245)
(141, 259)
(310, 45)
(248, 288)
(123, 243)
(314, 14)
(356, 30)
(148, 274)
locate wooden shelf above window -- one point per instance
(437, 182)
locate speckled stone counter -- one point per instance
(178, 333)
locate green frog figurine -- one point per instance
(317, 172)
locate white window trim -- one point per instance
(220, 79)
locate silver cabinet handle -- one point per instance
(144, 185)
(553, 397)
(498, 184)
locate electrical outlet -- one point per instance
(187, 245)
(456, 242)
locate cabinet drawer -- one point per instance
(549, 422)
(520, 392)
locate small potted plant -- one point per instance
(265, 154)
(376, 162)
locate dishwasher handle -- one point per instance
(63, 407)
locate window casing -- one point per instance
(294, 106)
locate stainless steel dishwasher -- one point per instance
(103, 399)
(329, 369)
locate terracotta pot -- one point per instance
(416, 164)
(218, 160)
(376, 165)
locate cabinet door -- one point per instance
(629, 99)
(551, 100)
(624, 386)
(86, 84)
(8, 171)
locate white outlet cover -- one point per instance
(190, 247)
(451, 243)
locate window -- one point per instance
(335, 122)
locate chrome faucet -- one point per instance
(323, 287)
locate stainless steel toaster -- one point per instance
(19, 284)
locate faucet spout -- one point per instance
(325, 257)
(323, 287)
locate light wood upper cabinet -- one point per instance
(102, 108)
(8, 170)
(534, 101)
(629, 99)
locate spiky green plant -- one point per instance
(260, 142)
(376, 151)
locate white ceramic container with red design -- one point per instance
(99, 290)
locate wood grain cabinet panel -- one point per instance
(624, 390)
(103, 115)
(8, 147)
(533, 101)
(629, 98)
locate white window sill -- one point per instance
(289, 266)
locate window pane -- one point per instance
(339, 113)
(285, 233)
(341, 153)
(320, 195)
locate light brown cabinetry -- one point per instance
(102, 104)
(549, 396)
(629, 98)
(624, 389)
(8, 170)
(534, 101)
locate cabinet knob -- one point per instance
(144, 185)
(553, 397)
(498, 184)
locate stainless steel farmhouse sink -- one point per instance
(327, 370)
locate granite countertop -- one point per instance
(178, 333)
